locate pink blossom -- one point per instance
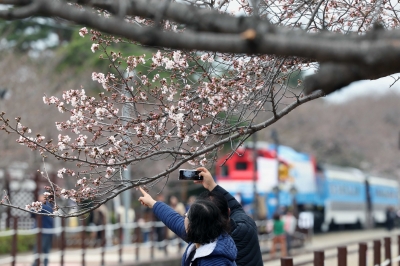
(83, 32)
(94, 47)
(34, 206)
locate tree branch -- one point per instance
(323, 47)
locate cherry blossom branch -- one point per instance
(215, 80)
(116, 189)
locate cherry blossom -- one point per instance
(34, 206)
(181, 106)
(94, 47)
(83, 32)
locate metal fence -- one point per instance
(81, 243)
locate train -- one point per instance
(281, 177)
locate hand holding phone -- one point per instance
(208, 181)
(185, 174)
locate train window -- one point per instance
(385, 193)
(224, 170)
(341, 189)
(241, 166)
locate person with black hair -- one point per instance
(203, 227)
(243, 228)
(279, 236)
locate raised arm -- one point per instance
(233, 204)
(165, 213)
(170, 218)
(209, 183)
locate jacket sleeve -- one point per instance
(233, 204)
(170, 218)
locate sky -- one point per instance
(365, 87)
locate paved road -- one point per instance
(318, 242)
(73, 257)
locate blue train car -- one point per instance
(347, 196)
(336, 196)
(343, 197)
(274, 186)
(382, 194)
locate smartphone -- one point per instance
(189, 175)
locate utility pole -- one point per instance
(126, 195)
(274, 136)
(126, 198)
(4, 94)
(255, 198)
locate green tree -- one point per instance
(34, 34)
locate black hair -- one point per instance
(219, 200)
(205, 222)
(276, 216)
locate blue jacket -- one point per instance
(222, 252)
(47, 221)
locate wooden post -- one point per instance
(342, 256)
(362, 254)
(165, 238)
(286, 261)
(62, 245)
(38, 238)
(7, 188)
(388, 253)
(14, 242)
(377, 252)
(398, 247)
(120, 230)
(151, 238)
(38, 185)
(83, 235)
(319, 258)
(138, 231)
(103, 242)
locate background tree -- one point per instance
(34, 34)
(182, 105)
(361, 133)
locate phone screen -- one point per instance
(189, 175)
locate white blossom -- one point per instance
(94, 47)
(61, 172)
(83, 32)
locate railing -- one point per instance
(77, 241)
(342, 253)
(78, 237)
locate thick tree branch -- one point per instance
(343, 58)
(332, 77)
(378, 48)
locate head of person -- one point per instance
(191, 200)
(41, 197)
(160, 197)
(173, 200)
(288, 211)
(276, 216)
(219, 200)
(204, 222)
